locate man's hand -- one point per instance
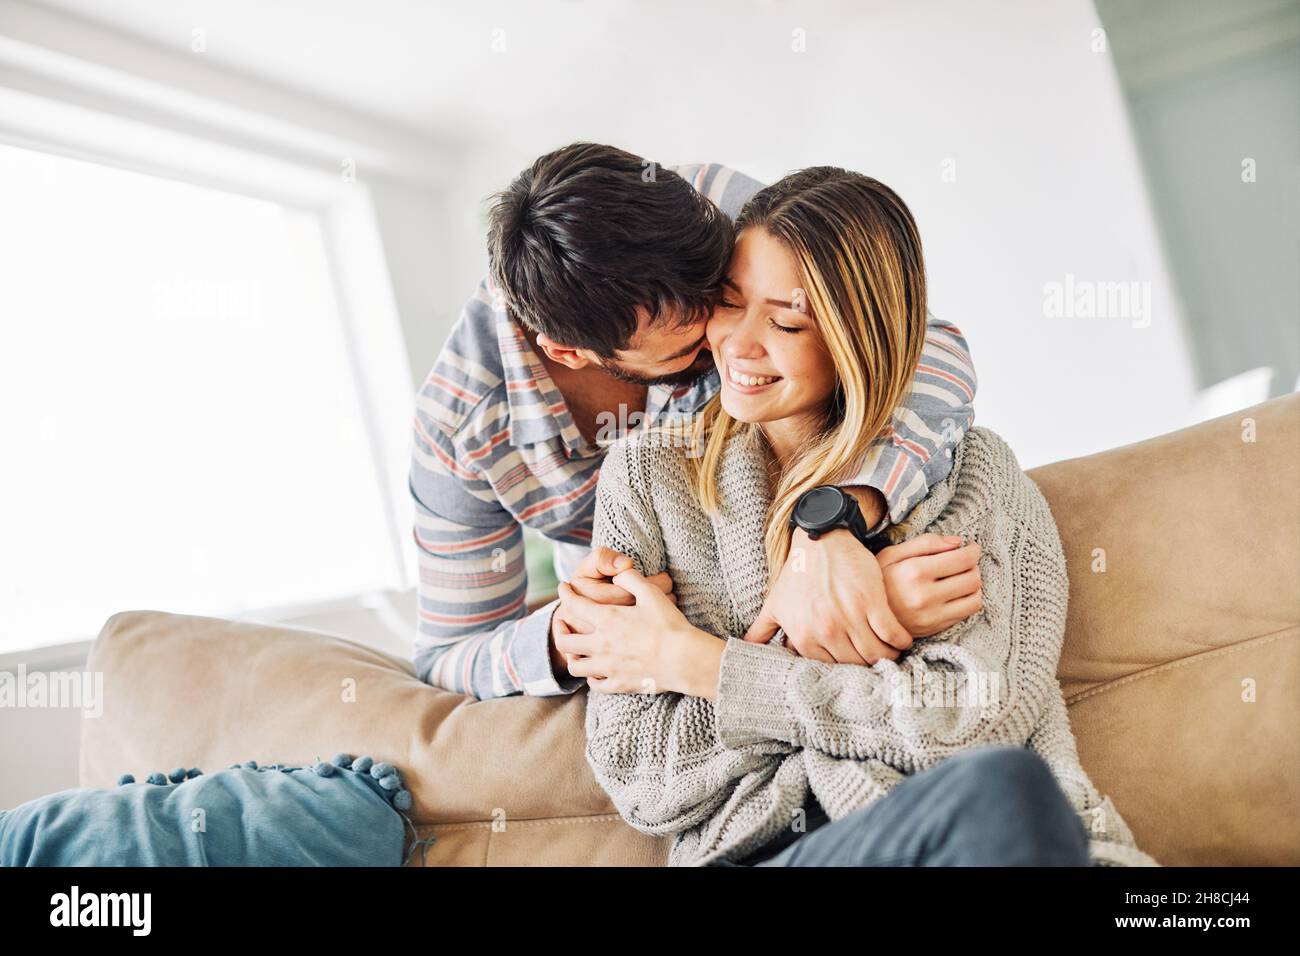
(932, 582)
(593, 580)
(830, 599)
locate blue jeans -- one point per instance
(988, 806)
(347, 812)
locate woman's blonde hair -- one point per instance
(859, 257)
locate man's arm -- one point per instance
(473, 633)
(998, 673)
(915, 452)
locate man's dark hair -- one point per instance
(589, 233)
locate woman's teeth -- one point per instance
(751, 381)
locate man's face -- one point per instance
(661, 354)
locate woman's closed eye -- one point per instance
(789, 329)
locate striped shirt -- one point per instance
(495, 449)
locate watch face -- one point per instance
(820, 508)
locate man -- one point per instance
(604, 269)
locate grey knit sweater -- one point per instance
(726, 777)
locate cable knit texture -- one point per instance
(726, 777)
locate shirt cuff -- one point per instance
(862, 481)
(879, 526)
(751, 705)
(533, 655)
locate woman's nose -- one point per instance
(733, 334)
(742, 344)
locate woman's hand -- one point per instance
(830, 600)
(593, 578)
(932, 582)
(647, 648)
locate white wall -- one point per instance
(1012, 91)
(1047, 180)
(418, 248)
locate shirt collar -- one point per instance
(537, 409)
(684, 400)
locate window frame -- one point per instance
(32, 119)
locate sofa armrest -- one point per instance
(203, 692)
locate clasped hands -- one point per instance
(838, 603)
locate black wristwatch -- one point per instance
(826, 508)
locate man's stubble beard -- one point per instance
(702, 366)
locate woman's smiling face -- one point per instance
(769, 352)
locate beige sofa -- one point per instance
(1181, 669)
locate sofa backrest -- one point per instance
(1181, 665)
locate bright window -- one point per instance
(181, 422)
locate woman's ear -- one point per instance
(563, 354)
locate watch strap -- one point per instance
(853, 521)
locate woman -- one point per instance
(747, 752)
